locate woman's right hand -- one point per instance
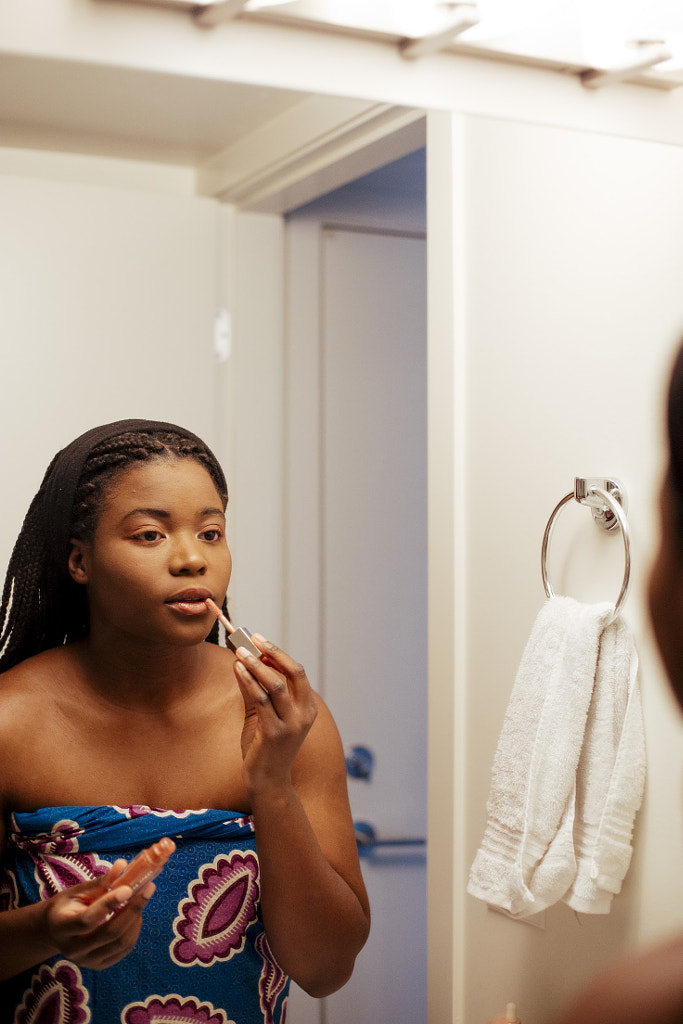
(96, 934)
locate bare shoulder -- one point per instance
(29, 690)
(644, 989)
(32, 680)
(322, 756)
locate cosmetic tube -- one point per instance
(236, 636)
(141, 870)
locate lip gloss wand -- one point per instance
(238, 636)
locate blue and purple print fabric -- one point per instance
(202, 956)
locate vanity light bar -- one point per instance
(643, 70)
(215, 12)
(422, 46)
(649, 56)
(219, 11)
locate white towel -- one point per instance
(610, 775)
(526, 860)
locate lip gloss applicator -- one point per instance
(238, 636)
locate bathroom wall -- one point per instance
(107, 271)
(572, 310)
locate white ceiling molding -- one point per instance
(315, 147)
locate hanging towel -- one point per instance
(610, 777)
(526, 860)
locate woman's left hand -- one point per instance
(280, 708)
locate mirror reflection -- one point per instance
(263, 261)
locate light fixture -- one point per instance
(218, 11)
(464, 16)
(600, 41)
(258, 5)
(650, 53)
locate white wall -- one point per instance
(572, 309)
(251, 405)
(107, 296)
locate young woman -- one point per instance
(647, 988)
(121, 725)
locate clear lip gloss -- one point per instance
(142, 869)
(238, 636)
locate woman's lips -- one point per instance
(189, 602)
(188, 607)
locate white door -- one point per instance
(361, 458)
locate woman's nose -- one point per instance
(187, 558)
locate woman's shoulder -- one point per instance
(321, 754)
(34, 681)
(40, 667)
(29, 692)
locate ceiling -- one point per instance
(186, 120)
(128, 113)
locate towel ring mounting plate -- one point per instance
(607, 500)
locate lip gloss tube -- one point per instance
(142, 869)
(237, 636)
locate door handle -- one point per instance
(367, 841)
(360, 763)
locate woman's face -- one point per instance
(666, 596)
(159, 549)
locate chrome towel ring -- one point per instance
(606, 499)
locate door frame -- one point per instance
(283, 178)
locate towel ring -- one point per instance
(605, 498)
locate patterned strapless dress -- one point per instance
(202, 956)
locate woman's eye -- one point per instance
(148, 536)
(213, 534)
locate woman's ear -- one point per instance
(78, 567)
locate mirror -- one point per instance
(114, 270)
(558, 253)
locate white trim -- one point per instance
(309, 150)
(301, 529)
(87, 169)
(447, 566)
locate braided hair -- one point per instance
(42, 606)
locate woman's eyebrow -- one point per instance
(161, 513)
(157, 513)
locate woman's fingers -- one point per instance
(280, 708)
(108, 943)
(280, 660)
(276, 709)
(103, 909)
(257, 691)
(283, 679)
(100, 933)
